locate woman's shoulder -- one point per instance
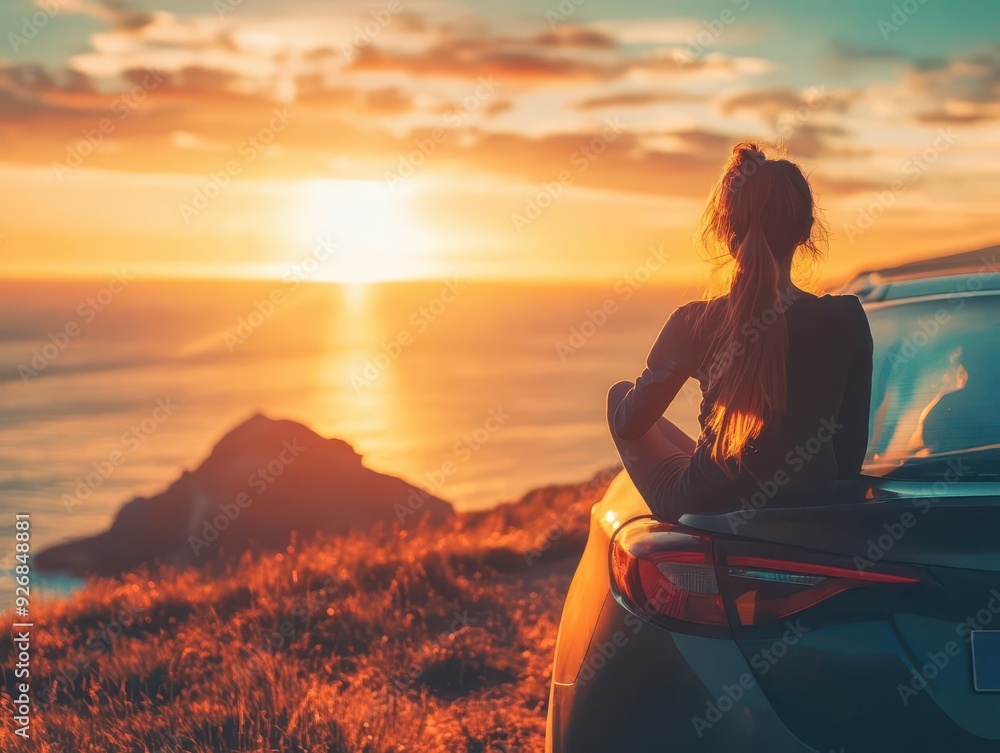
(684, 323)
(850, 310)
(692, 313)
(696, 306)
(681, 338)
(842, 302)
(849, 303)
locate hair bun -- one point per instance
(747, 151)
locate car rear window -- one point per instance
(936, 387)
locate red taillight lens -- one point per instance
(765, 590)
(678, 577)
(667, 575)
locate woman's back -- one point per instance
(823, 433)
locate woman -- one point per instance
(785, 375)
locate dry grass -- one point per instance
(432, 641)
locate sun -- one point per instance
(372, 226)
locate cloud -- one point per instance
(650, 31)
(772, 103)
(718, 144)
(768, 103)
(807, 124)
(845, 50)
(27, 89)
(809, 141)
(935, 90)
(194, 123)
(119, 14)
(826, 185)
(195, 82)
(385, 101)
(169, 43)
(219, 82)
(958, 114)
(495, 106)
(473, 58)
(640, 98)
(687, 169)
(778, 105)
(963, 91)
(572, 55)
(848, 52)
(576, 36)
(14, 104)
(466, 48)
(624, 164)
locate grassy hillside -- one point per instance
(435, 640)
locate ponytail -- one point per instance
(759, 213)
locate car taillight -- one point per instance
(679, 578)
(764, 589)
(667, 576)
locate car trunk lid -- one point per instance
(886, 664)
(891, 521)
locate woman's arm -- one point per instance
(667, 369)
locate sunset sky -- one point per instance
(402, 139)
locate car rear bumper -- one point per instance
(643, 689)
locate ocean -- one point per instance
(477, 391)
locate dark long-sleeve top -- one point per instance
(823, 435)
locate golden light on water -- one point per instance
(372, 227)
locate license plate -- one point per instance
(986, 660)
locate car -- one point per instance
(865, 620)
